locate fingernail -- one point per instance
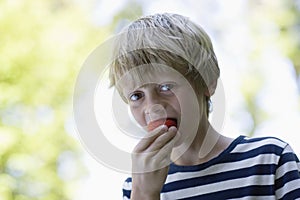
(173, 128)
(164, 127)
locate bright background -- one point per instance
(44, 43)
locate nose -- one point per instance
(155, 112)
(154, 108)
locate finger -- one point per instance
(145, 142)
(162, 140)
(163, 156)
(151, 161)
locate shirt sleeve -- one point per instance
(287, 181)
(127, 189)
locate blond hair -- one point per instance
(169, 39)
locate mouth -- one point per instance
(168, 122)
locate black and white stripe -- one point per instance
(250, 168)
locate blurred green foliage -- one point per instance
(273, 24)
(288, 20)
(42, 46)
(285, 19)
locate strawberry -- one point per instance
(154, 124)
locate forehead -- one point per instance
(148, 74)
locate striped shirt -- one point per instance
(250, 168)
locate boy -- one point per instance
(166, 71)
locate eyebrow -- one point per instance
(139, 87)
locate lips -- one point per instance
(168, 122)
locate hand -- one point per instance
(150, 162)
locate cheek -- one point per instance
(175, 104)
(191, 106)
(137, 115)
(196, 100)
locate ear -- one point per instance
(211, 89)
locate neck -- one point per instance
(206, 144)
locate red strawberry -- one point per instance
(154, 124)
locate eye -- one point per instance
(166, 87)
(135, 96)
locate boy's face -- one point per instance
(163, 94)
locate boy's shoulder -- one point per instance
(246, 144)
(262, 139)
